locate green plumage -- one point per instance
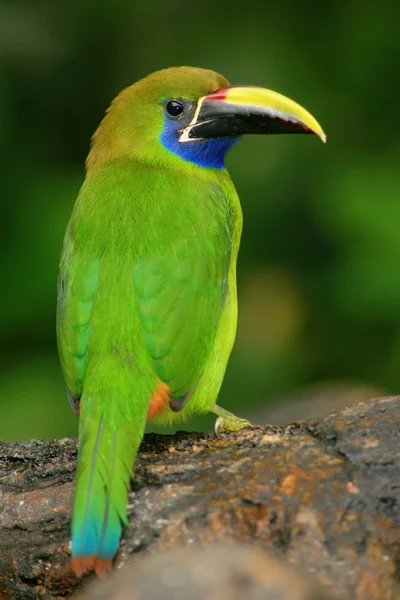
(147, 294)
(147, 305)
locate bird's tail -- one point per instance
(110, 433)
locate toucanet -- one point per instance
(147, 305)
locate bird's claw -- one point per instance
(230, 424)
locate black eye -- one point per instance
(174, 108)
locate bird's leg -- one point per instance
(226, 421)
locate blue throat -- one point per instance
(204, 153)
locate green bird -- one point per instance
(147, 305)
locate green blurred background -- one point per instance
(319, 274)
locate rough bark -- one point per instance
(324, 494)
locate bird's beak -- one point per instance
(235, 111)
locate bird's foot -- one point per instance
(227, 422)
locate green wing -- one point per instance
(176, 251)
(77, 285)
(181, 293)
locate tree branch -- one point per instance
(325, 494)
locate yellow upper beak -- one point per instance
(276, 105)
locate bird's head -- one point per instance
(186, 115)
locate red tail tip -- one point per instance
(102, 565)
(81, 565)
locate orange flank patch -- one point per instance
(81, 565)
(160, 400)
